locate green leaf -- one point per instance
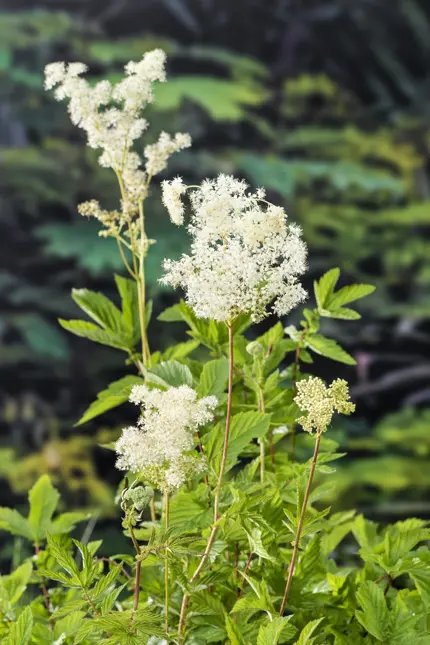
(105, 582)
(66, 522)
(41, 336)
(129, 306)
(114, 395)
(256, 545)
(64, 559)
(89, 568)
(244, 427)
(100, 309)
(348, 294)
(269, 634)
(213, 379)
(171, 314)
(170, 374)
(421, 577)
(224, 100)
(13, 522)
(306, 633)
(375, 615)
(324, 287)
(43, 498)
(328, 348)
(233, 632)
(89, 330)
(20, 632)
(13, 586)
(342, 314)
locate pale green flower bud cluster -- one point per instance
(138, 497)
(321, 402)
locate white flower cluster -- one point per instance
(111, 115)
(320, 402)
(161, 445)
(243, 256)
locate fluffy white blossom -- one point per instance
(244, 254)
(158, 153)
(172, 193)
(320, 402)
(161, 445)
(112, 117)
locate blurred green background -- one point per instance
(327, 105)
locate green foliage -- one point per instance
(380, 595)
(43, 499)
(115, 394)
(359, 186)
(115, 328)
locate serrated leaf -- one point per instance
(170, 374)
(329, 348)
(375, 616)
(66, 522)
(100, 309)
(105, 582)
(324, 287)
(90, 331)
(20, 631)
(233, 632)
(129, 306)
(68, 624)
(43, 498)
(114, 395)
(63, 557)
(13, 522)
(244, 427)
(213, 379)
(270, 633)
(110, 599)
(305, 637)
(13, 586)
(342, 314)
(256, 545)
(89, 569)
(348, 294)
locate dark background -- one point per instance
(327, 105)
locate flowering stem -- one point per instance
(146, 354)
(138, 569)
(166, 567)
(261, 408)
(214, 530)
(300, 524)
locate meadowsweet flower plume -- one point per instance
(161, 445)
(320, 402)
(244, 255)
(112, 117)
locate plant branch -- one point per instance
(138, 570)
(214, 530)
(300, 524)
(166, 567)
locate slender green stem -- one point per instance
(300, 524)
(141, 287)
(261, 408)
(166, 567)
(124, 259)
(218, 488)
